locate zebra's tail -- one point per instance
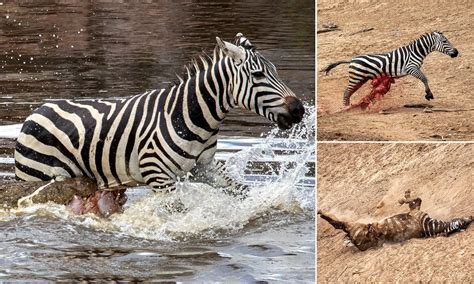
(331, 66)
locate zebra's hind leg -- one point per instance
(363, 236)
(100, 203)
(413, 203)
(337, 224)
(380, 86)
(350, 90)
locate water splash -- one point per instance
(207, 212)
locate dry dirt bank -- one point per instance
(364, 182)
(394, 24)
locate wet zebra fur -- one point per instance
(159, 136)
(406, 60)
(398, 228)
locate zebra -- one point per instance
(406, 60)
(160, 136)
(397, 228)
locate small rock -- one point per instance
(330, 25)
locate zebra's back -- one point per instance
(370, 66)
(88, 138)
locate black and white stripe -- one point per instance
(406, 60)
(158, 136)
(433, 227)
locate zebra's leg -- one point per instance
(363, 236)
(416, 72)
(354, 85)
(100, 203)
(413, 203)
(332, 220)
(215, 173)
(158, 181)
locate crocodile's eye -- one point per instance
(259, 75)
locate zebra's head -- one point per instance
(461, 223)
(442, 44)
(256, 85)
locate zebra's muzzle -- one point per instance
(294, 115)
(455, 53)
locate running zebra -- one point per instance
(406, 60)
(401, 227)
(156, 137)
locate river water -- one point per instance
(77, 49)
(74, 49)
(268, 236)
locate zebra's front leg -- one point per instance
(159, 181)
(416, 72)
(413, 203)
(215, 173)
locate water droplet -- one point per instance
(57, 46)
(72, 46)
(31, 58)
(7, 16)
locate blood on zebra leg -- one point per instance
(380, 86)
(80, 194)
(100, 203)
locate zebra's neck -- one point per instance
(421, 47)
(201, 101)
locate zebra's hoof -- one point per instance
(429, 96)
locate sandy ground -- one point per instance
(396, 23)
(364, 182)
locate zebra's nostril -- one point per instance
(297, 110)
(455, 53)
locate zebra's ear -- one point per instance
(241, 40)
(233, 51)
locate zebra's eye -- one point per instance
(259, 75)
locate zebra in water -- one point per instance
(401, 227)
(406, 60)
(156, 137)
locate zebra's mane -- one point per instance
(423, 36)
(195, 64)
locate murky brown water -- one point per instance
(81, 49)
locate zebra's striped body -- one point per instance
(401, 227)
(406, 60)
(160, 135)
